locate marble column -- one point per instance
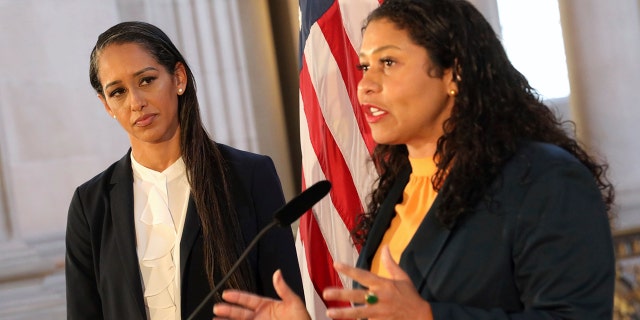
(55, 134)
(489, 9)
(602, 44)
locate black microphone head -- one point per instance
(295, 208)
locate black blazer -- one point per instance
(102, 271)
(541, 250)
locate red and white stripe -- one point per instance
(336, 145)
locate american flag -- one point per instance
(335, 140)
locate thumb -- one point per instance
(282, 289)
(394, 269)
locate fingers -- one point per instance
(396, 296)
(363, 277)
(357, 296)
(348, 295)
(243, 299)
(358, 312)
(244, 305)
(227, 311)
(354, 296)
(282, 289)
(240, 305)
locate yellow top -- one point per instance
(417, 198)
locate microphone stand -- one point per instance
(283, 217)
(233, 268)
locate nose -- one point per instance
(369, 84)
(137, 100)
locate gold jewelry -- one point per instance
(370, 298)
(453, 92)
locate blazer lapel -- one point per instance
(423, 249)
(385, 214)
(425, 246)
(190, 233)
(121, 199)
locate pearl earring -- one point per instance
(179, 90)
(114, 116)
(453, 93)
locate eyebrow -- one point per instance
(390, 46)
(135, 75)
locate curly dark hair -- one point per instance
(495, 109)
(206, 169)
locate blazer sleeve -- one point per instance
(562, 255)
(83, 298)
(276, 250)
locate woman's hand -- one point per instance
(397, 297)
(244, 306)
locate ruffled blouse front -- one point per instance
(160, 200)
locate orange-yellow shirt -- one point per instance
(417, 198)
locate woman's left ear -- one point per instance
(452, 82)
(180, 75)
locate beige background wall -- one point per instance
(54, 133)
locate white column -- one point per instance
(602, 44)
(54, 135)
(4, 213)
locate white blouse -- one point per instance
(160, 205)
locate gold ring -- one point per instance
(370, 298)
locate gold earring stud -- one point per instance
(453, 93)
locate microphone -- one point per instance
(286, 215)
